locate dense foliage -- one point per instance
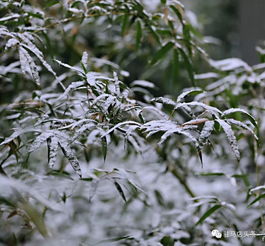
(90, 157)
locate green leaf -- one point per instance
(188, 65)
(256, 200)
(212, 174)
(162, 52)
(50, 3)
(125, 22)
(167, 241)
(208, 213)
(178, 10)
(187, 38)
(154, 34)
(138, 33)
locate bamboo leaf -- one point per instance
(231, 137)
(239, 110)
(119, 189)
(256, 200)
(139, 33)
(162, 52)
(208, 213)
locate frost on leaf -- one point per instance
(229, 64)
(28, 65)
(165, 100)
(210, 109)
(182, 96)
(242, 125)
(230, 136)
(39, 141)
(68, 153)
(239, 110)
(53, 144)
(206, 131)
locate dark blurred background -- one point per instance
(238, 24)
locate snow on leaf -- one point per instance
(39, 140)
(4, 32)
(84, 60)
(230, 64)
(11, 43)
(206, 76)
(76, 69)
(77, 123)
(71, 87)
(10, 17)
(231, 137)
(212, 110)
(28, 65)
(17, 133)
(68, 153)
(143, 83)
(206, 131)
(121, 124)
(242, 125)
(169, 127)
(53, 144)
(258, 188)
(28, 44)
(164, 100)
(235, 110)
(182, 96)
(93, 77)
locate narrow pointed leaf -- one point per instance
(208, 213)
(162, 52)
(231, 137)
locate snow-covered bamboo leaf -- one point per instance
(231, 137)
(182, 96)
(206, 131)
(204, 76)
(28, 65)
(84, 61)
(53, 144)
(230, 64)
(32, 48)
(11, 43)
(71, 87)
(213, 110)
(121, 124)
(164, 100)
(76, 69)
(39, 140)
(68, 153)
(143, 83)
(17, 133)
(242, 125)
(239, 110)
